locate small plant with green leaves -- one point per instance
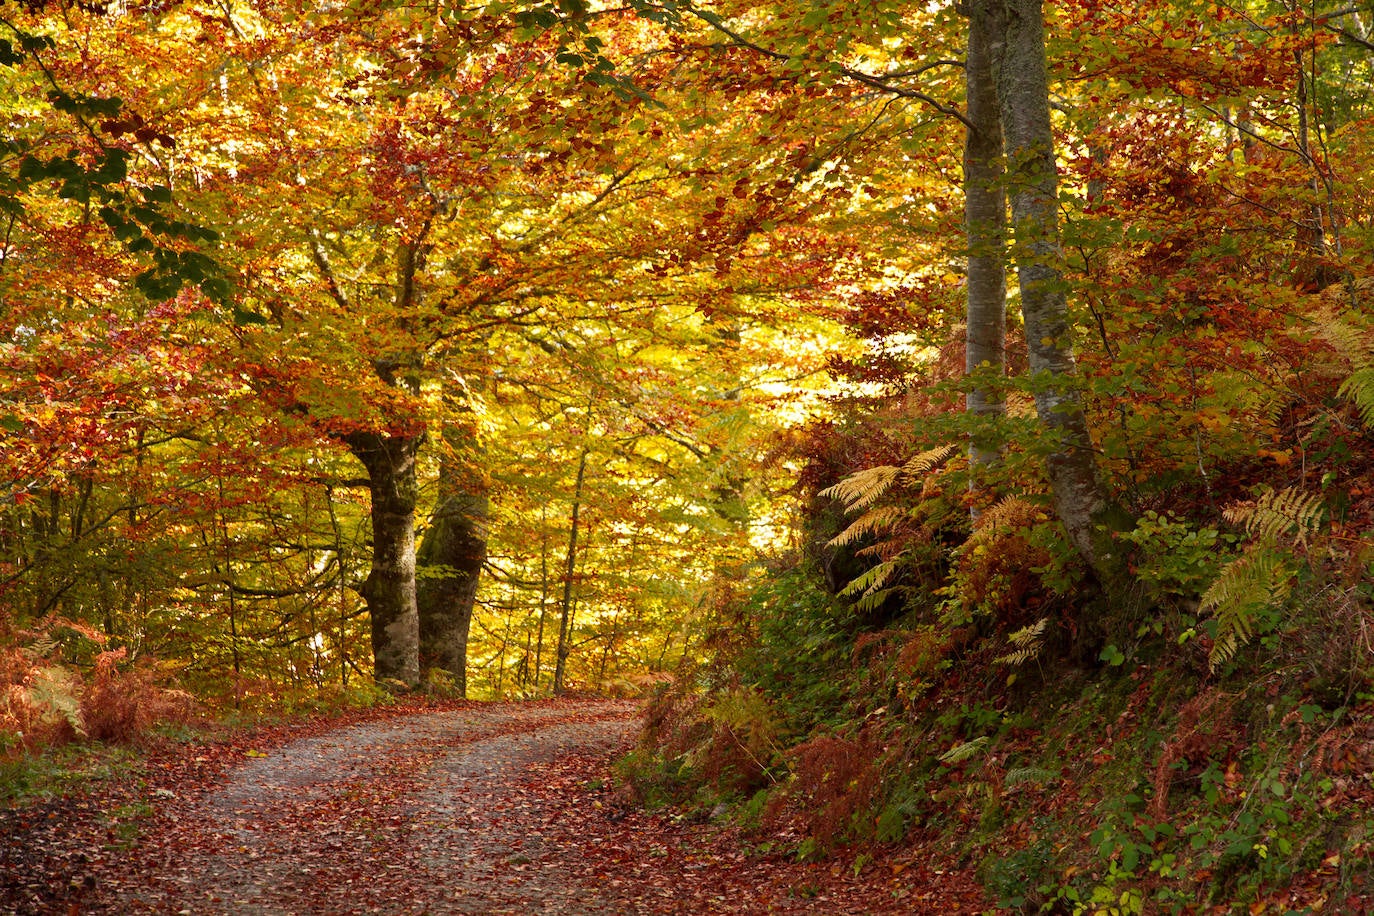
(1175, 558)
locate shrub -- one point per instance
(837, 781)
(121, 706)
(39, 702)
(998, 566)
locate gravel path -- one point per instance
(499, 809)
(434, 813)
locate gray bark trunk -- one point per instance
(390, 587)
(450, 563)
(985, 218)
(569, 568)
(1079, 495)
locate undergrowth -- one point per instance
(73, 711)
(1213, 750)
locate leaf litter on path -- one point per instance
(501, 808)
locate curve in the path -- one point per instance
(433, 813)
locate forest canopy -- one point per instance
(875, 373)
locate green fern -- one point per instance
(1354, 345)
(57, 692)
(872, 600)
(1035, 775)
(871, 580)
(961, 752)
(1259, 580)
(1359, 389)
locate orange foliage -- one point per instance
(837, 779)
(121, 706)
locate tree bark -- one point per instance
(569, 568)
(985, 220)
(390, 586)
(1080, 497)
(450, 563)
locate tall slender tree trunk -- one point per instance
(570, 567)
(390, 586)
(985, 219)
(1080, 497)
(543, 590)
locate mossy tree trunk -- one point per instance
(985, 220)
(390, 586)
(1080, 497)
(450, 560)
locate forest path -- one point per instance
(482, 809)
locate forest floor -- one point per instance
(464, 808)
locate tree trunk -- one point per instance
(1079, 495)
(450, 561)
(570, 567)
(985, 219)
(390, 586)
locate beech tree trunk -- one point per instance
(450, 563)
(390, 587)
(985, 220)
(1080, 497)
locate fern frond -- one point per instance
(872, 579)
(1010, 512)
(57, 692)
(1350, 293)
(1359, 388)
(862, 488)
(1038, 775)
(870, 522)
(929, 460)
(1026, 643)
(961, 752)
(1286, 511)
(43, 646)
(1351, 343)
(872, 600)
(1254, 582)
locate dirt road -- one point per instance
(480, 809)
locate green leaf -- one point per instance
(217, 289)
(75, 189)
(32, 169)
(114, 168)
(32, 44)
(157, 287)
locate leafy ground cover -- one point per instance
(1139, 786)
(448, 807)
